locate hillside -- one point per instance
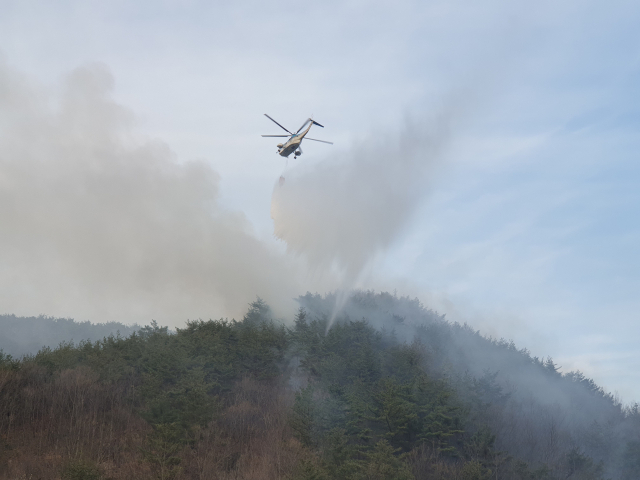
(386, 390)
(27, 335)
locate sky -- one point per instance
(484, 160)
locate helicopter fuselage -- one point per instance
(293, 143)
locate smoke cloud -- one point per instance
(343, 211)
(97, 223)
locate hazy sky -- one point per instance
(525, 223)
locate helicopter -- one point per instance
(295, 139)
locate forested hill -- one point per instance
(535, 412)
(26, 335)
(385, 390)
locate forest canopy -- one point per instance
(387, 389)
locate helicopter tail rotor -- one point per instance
(307, 121)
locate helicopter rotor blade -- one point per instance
(276, 136)
(277, 124)
(316, 123)
(316, 140)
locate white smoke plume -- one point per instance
(96, 224)
(343, 211)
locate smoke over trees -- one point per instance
(26, 335)
(390, 391)
(379, 388)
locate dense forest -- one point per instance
(383, 389)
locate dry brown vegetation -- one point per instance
(70, 424)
